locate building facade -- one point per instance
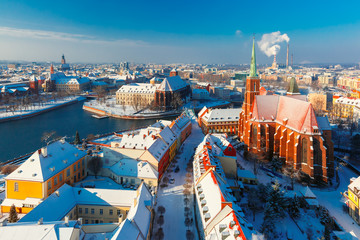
(219, 120)
(42, 174)
(286, 126)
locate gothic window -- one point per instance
(263, 136)
(317, 152)
(254, 135)
(304, 148)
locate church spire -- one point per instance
(253, 61)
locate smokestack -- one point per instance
(292, 59)
(287, 56)
(274, 59)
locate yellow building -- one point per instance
(42, 174)
(171, 140)
(344, 107)
(141, 94)
(353, 195)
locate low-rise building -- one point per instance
(219, 120)
(42, 174)
(353, 195)
(93, 205)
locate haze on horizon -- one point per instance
(173, 32)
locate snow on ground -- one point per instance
(329, 198)
(37, 108)
(108, 139)
(172, 197)
(333, 201)
(110, 106)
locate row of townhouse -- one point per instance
(156, 145)
(217, 214)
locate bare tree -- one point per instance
(95, 164)
(7, 169)
(176, 101)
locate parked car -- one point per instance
(172, 181)
(177, 169)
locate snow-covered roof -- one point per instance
(172, 84)
(307, 193)
(141, 88)
(47, 162)
(348, 101)
(158, 149)
(222, 115)
(61, 78)
(182, 121)
(142, 139)
(323, 123)
(133, 168)
(168, 136)
(355, 184)
(69, 197)
(45, 231)
(138, 219)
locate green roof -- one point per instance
(293, 87)
(253, 61)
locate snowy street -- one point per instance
(334, 202)
(172, 197)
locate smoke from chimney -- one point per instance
(269, 43)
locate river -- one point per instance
(24, 136)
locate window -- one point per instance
(49, 185)
(101, 212)
(118, 212)
(80, 210)
(86, 221)
(110, 212)
(74, 167)
(68, 172)
(16, 187)
(79, 175)
(55, 181)
(254, 136)
(304, 151)
(83, 162)
(86, 210)
(60, 177)
(92, 211)
(78, 165)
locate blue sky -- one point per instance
(177, 31)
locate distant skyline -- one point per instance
(177, 32)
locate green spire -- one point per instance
(293, 87)
(253, 61)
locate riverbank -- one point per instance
(111, 109)
(36, 110)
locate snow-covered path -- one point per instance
(333, 201)
(172, 197)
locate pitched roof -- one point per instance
(221, 115)
(299, 114)
(69, 197)
(34, 231)
(172, 84)
(40, 167)
(133, 168)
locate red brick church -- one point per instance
(286, 126)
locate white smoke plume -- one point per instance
(269, 43)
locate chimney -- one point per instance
(120, 218)
(292, 58)
(44, 151)
(287, 56)
(67, 220)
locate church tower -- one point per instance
(252, 85)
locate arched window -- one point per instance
(304, 148)
(317, 152)
(263, 136)
(254, 135)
